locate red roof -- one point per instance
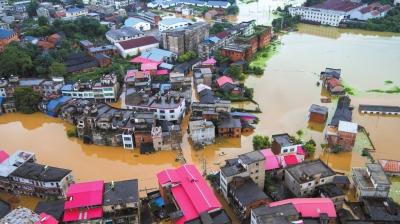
(190, 191)
(84, 194)
(392, 166)
(3, 155)
(223, 80)
(46, 219)
(162, 72)
(338, 5)
(149, 66)
(300, 150)
(82, 214)
(210, 61)
(222, 34)
(140, 60)
(290, 159)
(138, 42)
(310, 207)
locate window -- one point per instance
(285, 151)
(256, 171)
(162, 111)
(256, 178)
(128, 145)
(309, 184)
(162, 117)
(171, 111)
(127, 139)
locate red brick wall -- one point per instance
(233, 55)
(319, 118)
(142, 137)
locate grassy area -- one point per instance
(260, 58)
(395, 189)
(392, 90)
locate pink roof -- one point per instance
(310, 207)
(210, 61)
(223, 80)
(82, 214)
(162, 72)
(190, 191)
(300, 150)
(271, 161)
(130, 73)
(3, 155)
(149, 66)
(141, 60)
(290, 160)
(46, 219)
(85, 194)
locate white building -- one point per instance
(135, 46)
(372, 11)
(119, 4)
(42, 11)
(202, 132)
(127, 140)
(123, 34)
(73, 13)
(173, 23)
(138, 24)
(330, 13)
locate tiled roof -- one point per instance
(338, 5)
(139, 42)
(223, 80)
(392, 166)
(271, 161)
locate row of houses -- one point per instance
(172, 3)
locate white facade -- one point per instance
(202, 132)
(166, 114)
(75, 13)
(173, 23)
(135, 51)
(128, 140)
(138, 24)
(322, 16)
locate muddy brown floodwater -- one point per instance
(284, 93)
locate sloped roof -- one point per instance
(46, 219)
(85, 194)
(3, 155)
(271, 161)
(310, 207)
(223, 80)
(4, 34)
(392, 166)
(138, 42)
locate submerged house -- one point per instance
(318, 114)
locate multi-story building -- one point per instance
(237, 52)
(53, 86)
(42, 11)
(202, 132)
(6, 37)
(74, 13)
(121, 202)
(282, 144)
(173, 23)
(229, 127)
(185, 39)
(344, 136)
(331, 12)
(370, 181)
(303, 178)
(246, 165)
(123, 34)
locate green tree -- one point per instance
(261, 142)
(14, 61)
(187, 56)
(31, 9)
(310, 147)
(217, 28)
(235, 71)
(26, 100)
(57, 69)
(42, 21)
(232, 10)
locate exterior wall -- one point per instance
(142, 26)
(172, 114)
(324, 17)
(346, 140)
(233, 55)
(5, 42)
(304, 189)
(163, 26)
(127, 141)
(318, 118)
(142, 138)
(230, 132)
(203, 135)
(114, 41)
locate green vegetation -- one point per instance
(232, 10)
(236, 72)
(221, 59)
(389, 23)
(258, 62)
(388, 82)
(300, 133)
(219, 27)
(349, 90)
(248, 1)
(16, 61)
(57, 69)
(26, 100)
(310, 147)
(248, 92)
(187, 56)
(366, 153)
(261, 142)
(392, 90)
(71, 133)
(285, 21)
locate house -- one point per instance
(137, 23)
(166, 135)
(135, 46)
(202, 132)
(229, 127)
(336, 194)
(372, 11)
(53, 208)
(40, 180)
(21, 215)
(321, 209)
(108, 50)
(226, 84)
(34, 84)
(46, 219)
(250, 164)
(52, 87)
(380, 210)
(245, 195)
(121, 202)
(6, 37)
(318, 113)
(160, 55)
(330, 73)
(303, 178)
(391, 167)
(84, 202)
(343, 111)
(237, 52)
(283, 214)
(186, 189)
(173, 23)
(150, 17)
(283, 144)
(123, 34)
(272, 162)
(370, 181)
(78, 62)
(342, 137)
(203, 76)
(74, 13)
(138, 79)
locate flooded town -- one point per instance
(199, 112)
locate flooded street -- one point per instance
(284, 94)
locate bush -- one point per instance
(71, 133)
(187, 56)
(261, 142)
(26, 100)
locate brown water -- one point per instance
(284, 94)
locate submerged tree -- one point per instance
(26, 100)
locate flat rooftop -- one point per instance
(14, 161)
(305, 172)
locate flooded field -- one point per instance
(284, 94)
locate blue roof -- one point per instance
(53, 104)
(165, 86)
(67, 87)
(172, 21)
(214, 39)
(159, 202)
(166, 66)
(74, 9)
(5, 33)
(157, 54)
(218, 3)
(131, 21)
(242, 114)
(30, 38)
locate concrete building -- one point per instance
(330, 12)
(303, 178)
(246, 165)
(74, 13)
(123, 34)
(185, 39)
(202, 132)
(42, 11)
(342, 137)
(137, 23)
(136, 46)
(370, 181)
(237, 52)
(282, 144)
(173, 23)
